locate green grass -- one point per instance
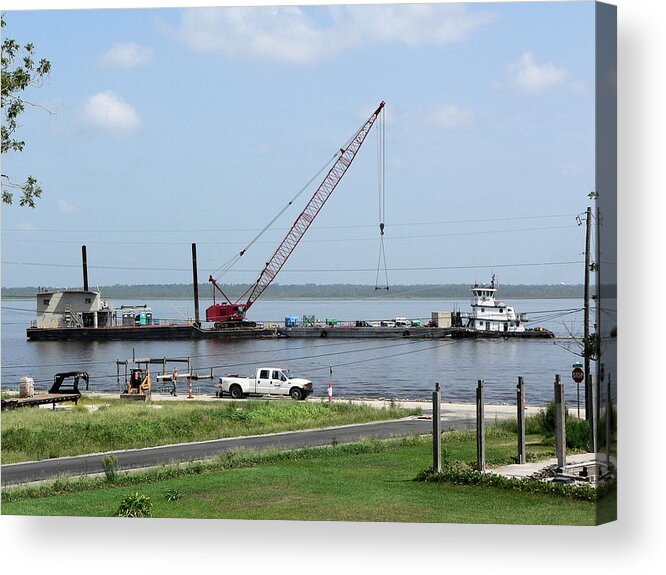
(30, 434)
(368, 481)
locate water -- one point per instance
(402, 369)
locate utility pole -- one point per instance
(586, 317)
(597, 323)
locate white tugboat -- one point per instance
(490, 314)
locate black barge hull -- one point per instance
(148, 332)
(185, 332)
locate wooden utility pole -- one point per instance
(586, 317)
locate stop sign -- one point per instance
(577, 374)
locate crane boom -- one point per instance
(227, 312)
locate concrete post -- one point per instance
(480, 429)
(520, 409)
(437, 429)
(560, 427)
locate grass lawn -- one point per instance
(371, 482)
(94, 425)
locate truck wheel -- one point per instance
(236, 392)
(296, 393)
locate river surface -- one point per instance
(401, 369)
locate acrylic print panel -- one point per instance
(407, 214)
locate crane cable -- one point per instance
(224, 268)
(381, 180)
(230, 263)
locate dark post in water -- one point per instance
(560, 427)
(437, 429)
(480, 429)
(84, 258)
(520, 408)
(195, 281)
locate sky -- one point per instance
(159, 128)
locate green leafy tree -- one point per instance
(20, 70)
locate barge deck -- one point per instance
(190, 332)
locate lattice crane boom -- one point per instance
(236, 311)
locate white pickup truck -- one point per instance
(267, 381)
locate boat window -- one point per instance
(46, 301)
(501, 310)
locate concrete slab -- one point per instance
(523, 470)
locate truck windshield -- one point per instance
(287, 374)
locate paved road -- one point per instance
(152, 456)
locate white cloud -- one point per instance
(108, 111)
(65, 207)
(412, 25)
(126, 55)
(449, 116)
(284, 34)
(527, 75)
(292, 34)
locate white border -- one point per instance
(78, 545)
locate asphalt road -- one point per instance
(154, 456)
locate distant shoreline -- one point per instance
(340, 292)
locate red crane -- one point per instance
(233, 313)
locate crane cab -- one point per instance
(225, 312)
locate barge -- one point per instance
(149, 332)
(83, 315)
(421, 332)
(489, 318)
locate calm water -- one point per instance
(404, 369)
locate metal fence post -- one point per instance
(480, 429)
(560, 427)
(437, 429)
(520, 409)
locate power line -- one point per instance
(225, 230)
(315, 270)
(243, 364)
(309, 240)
